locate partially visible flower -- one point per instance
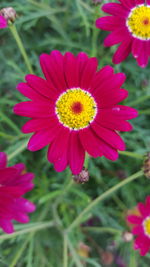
(107, 258)
(129, 25)
(3, 22)
(83, 250)
(8, 13)
(141, 227)
(75, 110)
(13, 184)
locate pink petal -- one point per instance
(82, 59)
(109, 23)
(143, 209)
(21, 217)
(115, 9)
(110, 97)
(109, 136)
(6, 173)
(128, 3)
(42, 138)
(101, 76)
(34, 109)
(3, 22)
(7, 226)
(88, 73)
(59, 145)
(123, 51)
(143, 55)
(76, 153)
(41, 86)
(35, 125)
(90, 142)
(3, 160)
(123, 112)
(138, 229)
(27, 91)
(71, 71)
(134, 219)
(116, 37)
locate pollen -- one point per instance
(76, 108)
(138, 22)
(146, 225)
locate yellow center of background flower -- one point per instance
(138, 22)
(147, 226)
(76, 108)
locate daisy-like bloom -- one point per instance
(3, 22)
(75, 110)
(141, 227)
(129, 24)
(14, 182)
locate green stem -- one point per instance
(102, 230)
(106, 194)
(65, 252)
(131, 154)
(139, 100)
(74, 253)
(41, 226)
(21, 46)
(17, 151)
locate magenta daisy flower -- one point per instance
(75, 110)
(3, 22)
(130, 27)
(14, 182)
(142, 227)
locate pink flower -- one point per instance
(14, 182)
(3, 22)
(141, 227)
(75, 110)
(130, 27)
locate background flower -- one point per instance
(14, 182)
(129, 24)
(142, 227)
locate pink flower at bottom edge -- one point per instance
(129, 25)
(3, 22)
(14, 183)
(141, 227)
(75, 110)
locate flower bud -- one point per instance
(82, 177)
(127, 236)
(147, 165)
(8, 13)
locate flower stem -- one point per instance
(21, 46)
(65, 252)
(131, 154)
(106, 194)
(18, 150)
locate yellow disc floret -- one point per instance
(138, 22)
(146, 225)
(76, 108)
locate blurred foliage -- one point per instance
(68, 25)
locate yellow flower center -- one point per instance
(76, 108)
(138, 22)
(146, 225)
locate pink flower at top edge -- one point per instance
(141, 227)
(3, 22)
(14, 183)
(129, 25)
(75, 110)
